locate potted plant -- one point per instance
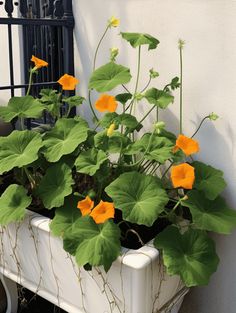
(105, 187)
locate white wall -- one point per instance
(209, 29)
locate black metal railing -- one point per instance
(47, 32)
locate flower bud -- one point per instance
(213, 116)
(153, 74)
(113, 22)
(159, 126)
(113, 54)
(110, 130)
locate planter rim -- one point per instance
(137, 259)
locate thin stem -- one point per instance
(125, 88)
(91, 106)
(167, 170)
(202, 121)
(140, 122)
(137, 79)
(30, 82)
(181, 90)
(99, 43)
(157, 114)
(148, 83)
(22, 125)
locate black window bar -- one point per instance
(47, 32)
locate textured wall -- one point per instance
(209, 29)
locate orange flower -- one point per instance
(106, 103)
(102, 212)
(68, 82)
(187, 145)
(38, 62)
(85, 206)
(183, 176)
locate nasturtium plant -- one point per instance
(13, 203)
(191, 255)
(115, 178)
(64, 138)
(22, 107)
(20, 148)
(109, 76)
(55, 185)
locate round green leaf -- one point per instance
(18, 149)
(89, 162)
(213, 215)
(158, 97)
(141, 198)
(191, 255)
(138, 39)
(64, 138)
(96, 244)
(25, 107)
(208, 179)
(55, 185)
(65, 216)
(13, 203)
(109, 76)
(160, 148)
(112, 144)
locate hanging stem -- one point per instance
(91, 106)
(181, 45)
(202, 121)
(99, 43)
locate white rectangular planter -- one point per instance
(136, 282)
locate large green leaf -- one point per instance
(13, 203)
(208, 179)
(213, 215)
(112, 144)
(158, 97)
(141, 198)
(64, 138)
(65, 216)
(138, 39)
(25, 107)
(159, 149)
(55, 185)
(124, 119)
(18, 149)
(191, 255)
(96, 244)
(109, 76)
(89, 162)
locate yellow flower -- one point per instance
(106, 103)
(68, 82)
(113, 22)
(110, 130)
(183, 176)
(102, 212)
(38, 62)
(85, 206)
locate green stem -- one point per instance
(181, 91)
(30, 178)
(91, 106)
(125, 88)
(202, 121)
(99, 43)
(30, 82)
(22, 126)
(148, 83)
(157, 114)
(140, 122)
(137, 79)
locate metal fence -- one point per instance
(47, 32)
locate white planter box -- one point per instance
(136, 282)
